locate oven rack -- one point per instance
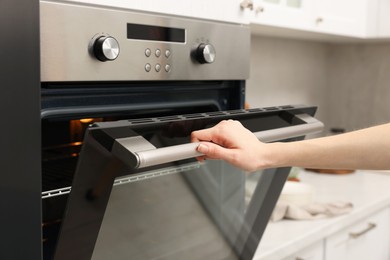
(132, 178)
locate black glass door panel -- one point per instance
(173, 208)
(166, 219)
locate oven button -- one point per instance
(148, 67)
(158, 53)
(158, 67)
(148, 52)
(167, 53)
(106, 48)
(205, 53)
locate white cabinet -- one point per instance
(219, 10)
(294, 14)
(351, 18)
(313, 252)
(346, 17)
(368, 239)
(348, 237)
(383, 17)
(285, 14)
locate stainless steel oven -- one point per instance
(121, 92)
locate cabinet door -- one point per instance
(313, 252)
(293, 14)
(220, 10)
(383, 19)
(346, 17)
(369, 239)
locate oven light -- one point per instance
(86, 120)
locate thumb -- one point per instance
(212, 151)
(203, 148)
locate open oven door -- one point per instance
(139, 192)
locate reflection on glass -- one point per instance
(250, 185)
(186, 212)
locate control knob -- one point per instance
(205, 53)
(106, 48)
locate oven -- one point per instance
(121, 92)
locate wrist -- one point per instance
(273, 155)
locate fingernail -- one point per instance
(203, 148)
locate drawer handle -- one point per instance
(356, 235)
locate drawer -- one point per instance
(367, 239)
(313, 252)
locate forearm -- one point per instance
(364, 149)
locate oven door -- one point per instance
(139, 192)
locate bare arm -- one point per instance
(364, 149)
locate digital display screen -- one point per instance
(155, 33)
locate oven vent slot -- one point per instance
(271, 108)
(194, 116)
(236, 112)
(286, 107)
(168, 118)
(255, 110)
(141, 121)
(216, 114)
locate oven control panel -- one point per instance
(89, 43)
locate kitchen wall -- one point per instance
(359, 85)
(350, 83)
(285, 71)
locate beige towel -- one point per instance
(285, 210)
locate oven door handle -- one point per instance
(139, 153)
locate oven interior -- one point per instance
(67, 109)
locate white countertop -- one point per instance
(369, 191)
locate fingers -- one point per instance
(201, 135)
(213, 133)
(216, 141)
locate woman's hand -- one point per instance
(232, 142)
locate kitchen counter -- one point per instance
(369, 191)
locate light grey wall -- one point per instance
(350, 83)
(359, 85)
(285, 71)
